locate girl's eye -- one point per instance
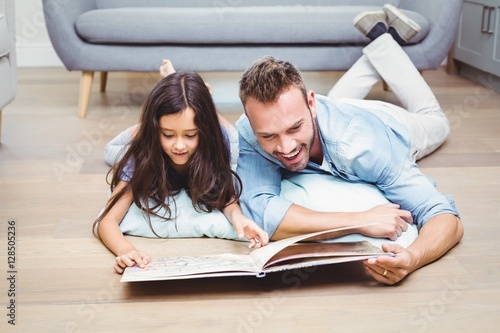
(189, 136)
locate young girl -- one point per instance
(179, 145)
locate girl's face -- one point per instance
(179, 137)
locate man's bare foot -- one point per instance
(166, 68)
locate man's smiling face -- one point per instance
(285, 128)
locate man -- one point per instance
(288, 129)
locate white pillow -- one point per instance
(324, 192)
(315, 191)
(189, 222)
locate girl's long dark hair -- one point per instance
(154, 182)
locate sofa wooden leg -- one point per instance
(104, 80)
(385, 86)
(85, 88)
(451, 63)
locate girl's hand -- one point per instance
(245, 227)
(131, 258)
(249, 229)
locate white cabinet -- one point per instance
(478, 40)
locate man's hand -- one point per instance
(438, 235)
(389, 221)
(391, 270)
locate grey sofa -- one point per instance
(228, 35)
(8, 66)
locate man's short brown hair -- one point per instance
(268, 78)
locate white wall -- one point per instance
(34, 48)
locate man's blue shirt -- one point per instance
(359, 145)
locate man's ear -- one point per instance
(311, 102)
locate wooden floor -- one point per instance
(52, 186)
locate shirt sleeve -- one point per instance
(384, 160)
(128, 170)
(261, 180)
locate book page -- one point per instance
(404, 240)
(316, 261)
(322, 250)
(191, 266)
(261, 256)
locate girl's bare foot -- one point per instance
(166, 68)
(209, 87)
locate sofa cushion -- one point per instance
(223, 4)
(5, 42)
(233, 25)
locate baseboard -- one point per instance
(486, 79)
(37, 55)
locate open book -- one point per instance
(319, 248)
